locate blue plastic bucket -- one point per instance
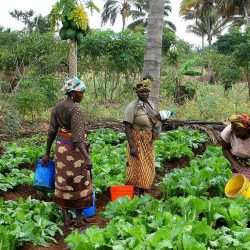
(89, 212)
(45, 176)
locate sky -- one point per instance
(44, 7)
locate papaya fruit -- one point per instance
(65, 24)
(79, 37)
(62, 33)
(73, 25)
(70, 33)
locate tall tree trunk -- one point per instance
(202, 48)
(123, 22)
(248, 82)
(115, 85)
(153, 50)
(246, 9)
(73, 58)
(177, 88)
(105, 83)
(210, 65)
(94, 81)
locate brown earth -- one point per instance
(27, 191)
(23, 191)
(101, 201)
(170, 165)
(1, 151)
(201, 149)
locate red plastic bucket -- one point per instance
(119, 191)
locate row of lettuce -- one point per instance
(108, 154)
(170, 223)
(193, 214)
(28, 221)
(182, 223)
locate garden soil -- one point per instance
(101, 201)
(26, 191)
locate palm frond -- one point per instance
(139, 22)
(170, 25)
(135, 14)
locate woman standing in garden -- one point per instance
(73, 180)
(139, 119)
(236, 143)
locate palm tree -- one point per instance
(234, 8)
(153, 50)
(112, 8)
(141, 14)
(199, 30)
(200, 27)
(201, 10)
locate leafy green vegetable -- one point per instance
(205, 174)
(29, 221)
(15, 178)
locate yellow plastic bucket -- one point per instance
(238, 185)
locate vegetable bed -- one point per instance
(192, 213)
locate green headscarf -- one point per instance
(73, 84)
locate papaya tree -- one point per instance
(74, 20)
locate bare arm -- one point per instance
(227, 153)
(128, 131)
(51, 137)
(50, 140)
(82, 149)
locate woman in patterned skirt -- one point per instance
(236, 144)
(73, 180)
(139, 124)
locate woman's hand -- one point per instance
(133, 151)
(45, 160)
(88, 163)
(81, 147)
(128, 130)
(236, 167)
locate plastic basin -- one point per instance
(238, 185)
(44, 179)
(120, 191)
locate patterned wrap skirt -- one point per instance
(73, 182)
(140, 170)
(245, 165)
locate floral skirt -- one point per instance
(140, 170)
(73, 182)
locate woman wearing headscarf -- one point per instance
(139, 118)
(73, 181)
(236, 143)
